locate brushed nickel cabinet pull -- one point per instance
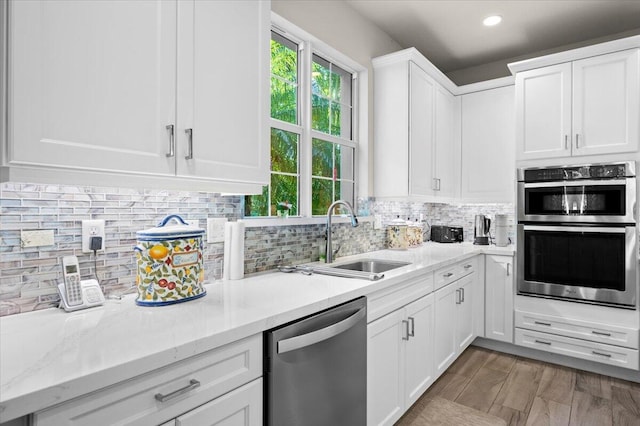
(172, 143)
(406, 323)
(193, 383)
(508, 267)
(189, 133)
(542, 323)
(543, 343)
(600, 333)
(458, 297)
(413, 327)
(577, 141)
(566, 142)
(448, 274)
(601, 354)
(462, 291)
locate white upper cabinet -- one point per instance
(606, 103)
(92, 85)
(488, 157)
(543, 112)
(585, 107)
(415, 145)
(421, 131)
(128, 90)
(446, 181)
(223, 90)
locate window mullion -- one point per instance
(305, 159)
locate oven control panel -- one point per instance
(592, 171)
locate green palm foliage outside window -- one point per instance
(332, 169)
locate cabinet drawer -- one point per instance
(449, 274)
(384, 301)
(577, 348)
(136, 401)
(602, 333)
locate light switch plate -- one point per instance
(378, 222)
(36, 238)
(215, 229)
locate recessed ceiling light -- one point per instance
(492, 20)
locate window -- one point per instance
(313, 149)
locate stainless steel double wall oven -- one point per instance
(577, 233)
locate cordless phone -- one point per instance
(72, 284)
(75, 293)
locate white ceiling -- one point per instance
(451, 35)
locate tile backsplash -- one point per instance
(28, 276)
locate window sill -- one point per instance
(261, 222)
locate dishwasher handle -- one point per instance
(308, 339)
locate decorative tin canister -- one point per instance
(397, 234)
(170, 265)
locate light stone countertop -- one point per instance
(50, 356)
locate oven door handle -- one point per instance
(586, 229)
(585, 182)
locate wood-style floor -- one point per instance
(522, 391)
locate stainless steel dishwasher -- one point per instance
(316, 369)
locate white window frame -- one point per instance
(307, 46)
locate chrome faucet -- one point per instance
(354, 223)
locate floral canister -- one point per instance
(397, 238)
(414, 233)
(170, 264)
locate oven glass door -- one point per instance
(595, 264)
(585, 201)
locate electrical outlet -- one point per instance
(215, 229)
(92, 228)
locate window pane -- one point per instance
(257, 205)
(322, 159)
(345, 191)
(321, 196)
(320, 113)
(344, 164)
(284, 151)
(284, 58)
(284, 189)
(284, 101)
(321, 77)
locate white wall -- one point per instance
(339, 26)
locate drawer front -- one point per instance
(137, 401)
(592, 351)
(388, 300)
(601, 333)
(449, 274)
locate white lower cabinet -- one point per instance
(499, 293)
(454, 321)
(183, 393)
(399, 360)
(241, 407)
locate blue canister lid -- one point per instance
(178, 229)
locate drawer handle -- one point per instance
(600, 333)
(193, 383)
(458, 296)
(542, 323)
(468, 266)
(448, 274)
(412, 333)
(601, 354)
(543, 343)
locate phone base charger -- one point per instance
(91, 296)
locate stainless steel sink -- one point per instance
(371, 265)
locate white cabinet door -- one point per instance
(446, 165)
(464, 315)
(488, 153)
(499, 298)
(543, 112)
(92, 85)
(606, 98)
(240, 407)
(223, 86)
(421, 130)
(419, 351)
(385, 379)
(445, 324)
